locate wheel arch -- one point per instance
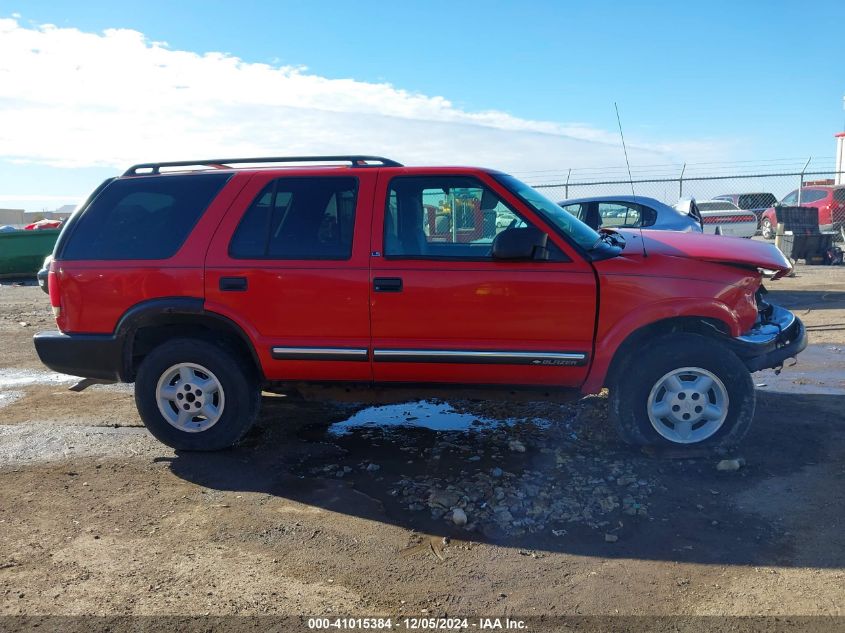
(148, 324)
(706, 326)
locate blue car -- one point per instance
(618, 212)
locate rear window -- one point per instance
(757, 201)
(812, 195)
(722, 205)
(142, 218)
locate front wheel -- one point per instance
(766, 229)
(193, 395)
(685, 389)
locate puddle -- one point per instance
(436, 416)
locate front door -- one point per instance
(289, 264)
(444, 311)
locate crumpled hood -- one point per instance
(711, 248)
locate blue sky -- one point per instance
(715, 81)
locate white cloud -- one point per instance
(74, 99)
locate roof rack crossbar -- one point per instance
(223, 163)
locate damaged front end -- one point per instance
(776, 336)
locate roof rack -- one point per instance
(224, 163)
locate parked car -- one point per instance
(631, 212)
(41, 225)
(828, 199)
(723, 217)
(43, 274)
(754, 202)
(205, 286)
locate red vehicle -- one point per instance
(205, 285)
(828, 199)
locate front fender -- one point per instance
(611, 336)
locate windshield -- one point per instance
(562, 220)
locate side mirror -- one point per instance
(521, 243)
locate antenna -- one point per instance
(630, 177)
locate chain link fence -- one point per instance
(671, 190)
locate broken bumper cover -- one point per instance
(774, 338)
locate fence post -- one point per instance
(801, 182)
(566, 186)
(681, 182)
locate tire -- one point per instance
(766, 229)
(647, 382)
(194, 376)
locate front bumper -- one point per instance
(777, 335)
(87, 355)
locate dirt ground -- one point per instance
(341, 510)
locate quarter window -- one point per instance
(298, 218)
(142, 218)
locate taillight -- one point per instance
(53, 282)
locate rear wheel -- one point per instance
(685, 389)
(766, 229)
(193, 395)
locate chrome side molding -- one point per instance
(479, 357)
(482, 357)
(320, 353)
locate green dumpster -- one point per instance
(23, 252)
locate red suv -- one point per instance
(829, 200)
(206, 281)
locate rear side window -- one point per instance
(142, 218)
(299, 218)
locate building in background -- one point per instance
(11, 217)
(19, 218)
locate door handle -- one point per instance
(233, 284)
(387, 284)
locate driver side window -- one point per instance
(448, 217)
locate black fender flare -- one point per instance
(154, 312)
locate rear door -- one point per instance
(289, 264)
(443, 311)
